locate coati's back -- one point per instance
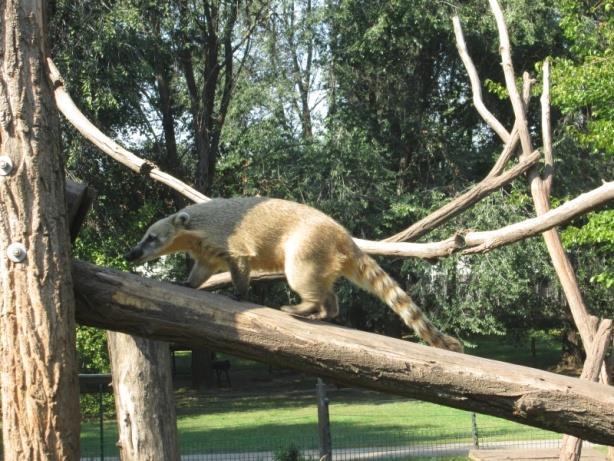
(262, 228)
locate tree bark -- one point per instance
(144, 403)
(111, 299)
(40, 393)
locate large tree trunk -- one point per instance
(40, 394)
(111, 299)
(144, 402)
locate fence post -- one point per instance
(101, 410)
(474, 431)
(326, 451)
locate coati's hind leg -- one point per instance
(312, 278)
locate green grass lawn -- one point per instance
(266, 411)
(358, 419)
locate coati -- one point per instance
(312, 249)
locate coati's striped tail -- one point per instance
(370, 276)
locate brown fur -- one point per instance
(313, 250)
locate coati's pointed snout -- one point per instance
(134, 254)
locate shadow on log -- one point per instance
(132, 304)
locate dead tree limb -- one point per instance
(464, 201)
(546, 129)
(161, 311)
(72, 113)
(478, 241)
(480, 190)
(540, 189)
(586, 325)
(476, 87)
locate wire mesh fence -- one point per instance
(374, 430)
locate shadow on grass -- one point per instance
(275, 436)
(190, 401)
(304, 436)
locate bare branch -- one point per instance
(472, 196)
(530, 227)
(510, 147)
(510, 80)
(464, 201)
(86, 128)
(546, 129)
(586, 323)
(476, 87)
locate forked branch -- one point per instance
(476, 86)
(494, 179)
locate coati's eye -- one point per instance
(151, 238)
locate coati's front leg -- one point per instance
(239, 273)
(199, 274)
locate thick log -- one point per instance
(129, 303)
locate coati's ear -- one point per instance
(181, 219)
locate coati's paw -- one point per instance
(184, 283)
(289, 310)
(308, 312)
(236, 297)
(318, 316)
(299, 309)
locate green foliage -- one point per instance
(596, 237)
(501, 292)
(291, 453)
(583, 83)
(92, 347)
(94, 358)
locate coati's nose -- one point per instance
(134, 254)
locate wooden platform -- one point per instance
(538, 454)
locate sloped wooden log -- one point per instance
(129, 303)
